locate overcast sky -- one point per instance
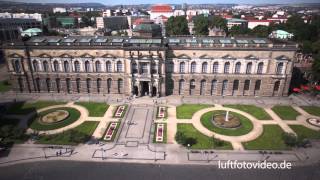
(113, 2)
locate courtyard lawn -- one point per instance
(124, 111)
(36, 125)
(26, 108)
(313, 110)
(95, 109)
(255, 111)
(245, 128)
(4, 86)
(164, 134)
(285, 112)
(202, 141)
(305, 132)
(271, 139)
(84, 130)
(186, 111)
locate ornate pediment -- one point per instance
(65, 56)
(205, 56)
(86, 55)
(15, 55)
(282, 58)
(251, 57)
(183, 56)
(44, 55)
(108, 56)
(228, 57)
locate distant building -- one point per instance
(179, 13)
(218, 32)
(86, 31)
(59, 10)
(161, 9)
(147, 30)
(107, 13)
(35, 16)
(10, 28)
(236, 22)
(281, 34)
(253, 23)
(31, 32)
(112, 23)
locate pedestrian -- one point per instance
(57, 153)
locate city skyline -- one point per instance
(118, 2)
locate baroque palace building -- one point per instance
(200, 66)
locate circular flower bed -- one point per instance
(245, 124)
(221, 121)
(314, 121)
(54, 118)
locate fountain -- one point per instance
(314, 121)
(226, 120)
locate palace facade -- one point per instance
(200, 66)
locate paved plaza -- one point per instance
(133, 141)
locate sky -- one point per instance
(116, 2)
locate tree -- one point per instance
(201, 25)
(219, 22)
(290, 139)
(239, 30)
(177, 26)
(261, 31)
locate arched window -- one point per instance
(192, 87)
(257, 85)
(215, 68)
(134, 68)
(213, 87)
(56, 66)
(108, 66)
(109, 83)
(38, 84)
(68, 82)
(182, 67)
(237, 68)
(120, 85)
(87, 66)
(35, 66)
(235, 85)
(260, 68)
(76, 66)
(276, 87)
(98, 85)
(193, 67)
(154, 68)
(119, 66)
(246, 85)
(181, 86)
(204, 67)
(45, 66)
(20, 82)
(249, 68)
(279, 68)
(98, 66)
(88, 85)
(224, 86)
(58, 85)
(66, 66)
(226, 68)
(48, 83)
(203, 87)
(78, 83)
(16, 66)
(170, 67)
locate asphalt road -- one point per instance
(59, 170)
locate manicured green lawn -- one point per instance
(124, 111)
(271, 139)
(73, 116)
(186, 111)
(4, 86)
(95, 109)
(203, 141)
(305, 132)
(25, 108)
(285, 112)
(246, 124)
(164, 134)
(86, 128)
(255, 111)
(313, 110)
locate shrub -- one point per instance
(217, 142)
(290, 139)
(180, 137)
